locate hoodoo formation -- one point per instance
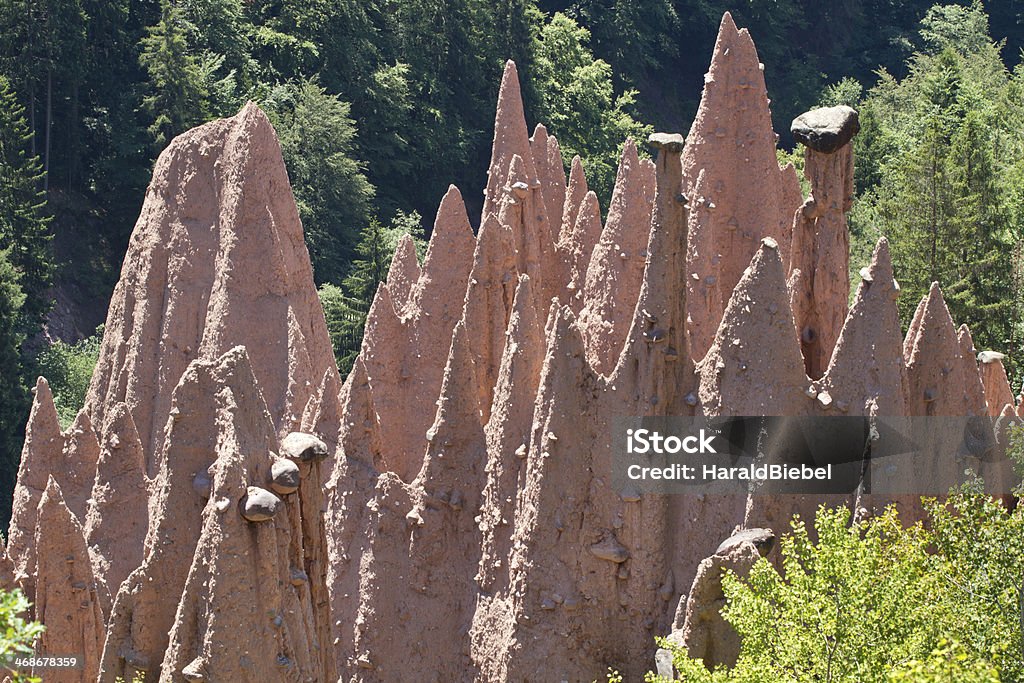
(225, 508)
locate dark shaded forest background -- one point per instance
(380, 104)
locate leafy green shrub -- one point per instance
(17, 634)
(873, 601)
(950, 662)
(68, 368)
(580, 105)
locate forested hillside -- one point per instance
(380, 104)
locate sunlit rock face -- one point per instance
(231, 509)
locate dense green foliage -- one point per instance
(68, 368)
(333, 195)
(17, 634)
(580, 104)
(25, 270)
(13, 395)
(939, 173)
(876, 601)
(24, 226)
(346, 307)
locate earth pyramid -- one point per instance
(226, 507)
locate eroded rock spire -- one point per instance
(754, 365)
(511, 138)
(866, 374)
(741, 199)
(219, 194)
(40, 458)
(820, 255)
(68, 457)
(616, 267)
(66, 598)
(118, 515)
(938, 381)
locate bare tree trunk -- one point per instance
(49, 126)
(32, 113)
(72, 148)
(31, 81)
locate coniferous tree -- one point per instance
(13, 396)
(177, 98)
(376, 248)
(45, 58)
(938, 164)
(346, 307)
(25, 267)
(116, 146)
(318, 143)
(221, 27)
(24, 225)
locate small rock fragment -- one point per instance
(611, 550)
(259, 505)
(763, 540)
(193, 671)
(201, 483)
(304, 447)
(298, 576)
(284, 476)
(826, 129)
(655, 336)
